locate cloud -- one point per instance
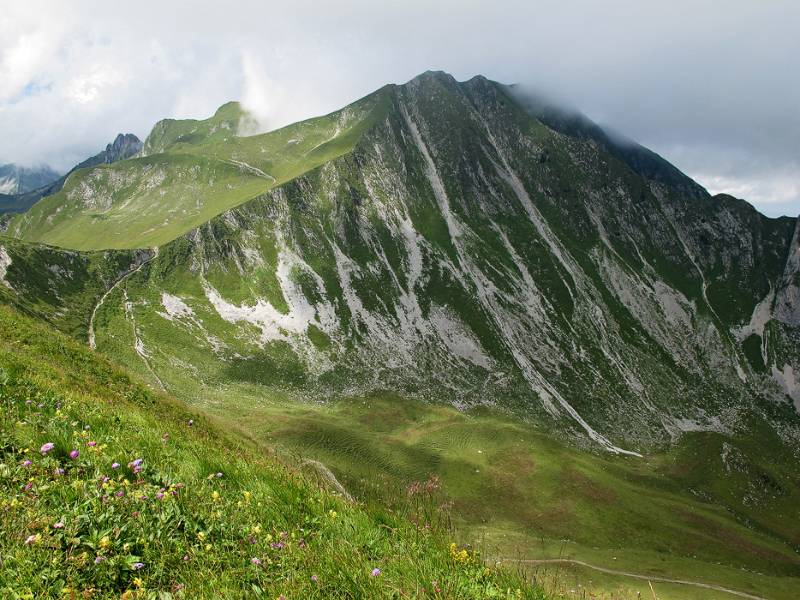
(707, 84)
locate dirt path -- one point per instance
(123, 277)
(708, 586)
(138, 344)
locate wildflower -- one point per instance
(332, 514)
(255, 561)
(375, 572)
(191, 422)
(31, 539)
(137, 581)
(137, 565)
(26, 463)
(219, 475)
(215, 496)
(58, 525)
(160, 496)
(135, 463)
(314, 579)
(47, 447)
(59, 471)
(91, 444)
(120, 494)
(208, 547)
(201, 536)
(436, 588)
(74, 454)
(185, 557)
(105, 542)
(115, 465)
(98, 559)
(247, 496)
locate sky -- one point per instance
(711, 85)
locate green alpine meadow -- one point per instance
(449, 341)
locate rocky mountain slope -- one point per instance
(463, 244)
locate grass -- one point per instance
(522, 493)
(192, 171)
(191, 511)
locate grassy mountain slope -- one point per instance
(455, 248)
(57, 286)
(190, 171)
(191, 511)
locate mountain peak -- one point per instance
(125, 145)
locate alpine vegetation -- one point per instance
(569, 342)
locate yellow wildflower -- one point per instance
(247, 496)
(201, 536)
(138, 582)
(105, 542)
(332, 514)
(215, 496)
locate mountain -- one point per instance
(478, 253)
(124, 146)
(621, 346)
(17, 180)
(189, 172)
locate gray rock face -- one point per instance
(124, 146)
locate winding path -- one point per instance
(123, 277)
(708, 586)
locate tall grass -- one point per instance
(140, 498)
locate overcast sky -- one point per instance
(713, 86)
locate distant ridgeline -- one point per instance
(47, 182)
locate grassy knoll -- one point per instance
(110, 490)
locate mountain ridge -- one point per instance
(637, 250)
